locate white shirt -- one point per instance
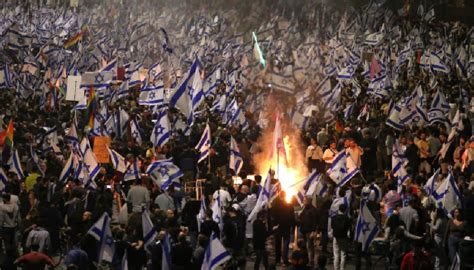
(329, 153)
(225, 197)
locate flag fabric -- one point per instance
(235, 161)
(281, 82)
(6, 137)
(215, 254)
(456, 263)
(339, 172)
(439, 108)
(149, 232)
(36, 160)
(456, 127)
(366, 227)
(5, 78)
(118, 162)
(217, 214)
(76, 38)
(90, 161)
(71, 134)
(278, 145)
(132, 172)
(15, 164)
(429, 186)
(257, 51)
(399, 162)
(124, 261)
(166, 253)
(152, 94)
(201, 216)
(204, 144)
(315, 184)
(447, 195)
(136, 131)
(374, 67)
(120, 122)
(3, 180)
(263, 198)
(68, 169)
(102, 233)
(161, 131)
(164, 173)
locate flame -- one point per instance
(290, 174)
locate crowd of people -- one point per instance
(379, 99)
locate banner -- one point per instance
(100, 148)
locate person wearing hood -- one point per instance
(9, 221)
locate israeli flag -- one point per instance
(121, 119)
(217, 215)
(149, 232)
(399, 162)
(154, 72)
(447, 195)
(201, 216)
(36, 160)
(165, 173)
(133, 172)
(211, 82)
(429, 186)
(235, 161)
(439, 109)
(99, 80)
(5, 78)
(263, 198)
(68, 170)
(366, 227)
(182, 98)
(15, 165)
(315, 185)
(346, 73)
(102, 233)
(161, 132)
(204, 144)
(151, 95)
(3, 180)
(437, 64)
(339, 171)
(215, 254)
(71, 134)
(117, 161)
(89, 159)
(166, 253)
(136, 131)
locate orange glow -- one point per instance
(290, 174)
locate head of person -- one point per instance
(342, 208)
(170, 213)
(457, 214)
(86, 216)
(332, 145)
(307, 201)
(6, 198)
(202, 240)
(314, 142)
(258, 179)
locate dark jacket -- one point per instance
(308, 219)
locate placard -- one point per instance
(100, 148)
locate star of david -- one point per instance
(100, 129)
(135, 134)
(284, 82)
(365, 226)
(99, 78)
(350, 70)
(109, 240)
(163, 170)
(159, 130)
(153, 72)
(151, 95)
(432, 115)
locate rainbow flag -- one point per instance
(76, 38)
(6, 137)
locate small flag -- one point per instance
(68, 169)
(201, 216)
(235, 162)
(3, 180)
(166, 253)
(15, 165)
(90, 161)
(263, 198)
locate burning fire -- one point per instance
(290, 171)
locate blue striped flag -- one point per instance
(235, 161)
(164, 173)
(149, 232)
(161, 132)
(204, 144)
(15, 164)
(215, 254)
(102, 233)
(366, 227)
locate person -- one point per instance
(314, 155)
(283, 215)
(321, 262)
(340, 225)
(199, 251)
(34, 260)
(165, 200)
(438, 226)
(38, 236)
(424, 152)
(181, 253)
(260, 235)
(308, 226)
(329, 154)
(138, 197)
(409, 215)
(209, 226)
(299, 257)
(9, 222)
(224, 195)
(454, 233)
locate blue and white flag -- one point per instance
(36, 160)
(447, 195)
(346, 73)
(124, 261)
(149, 232)
(68, 169)
(99, 80)
(235, 161)
(217, 214)
(315, 185)
(263, 198)
(152, 94)
(438, 110)
(154, 72)
(5, 78)
(102, 233)
(182, 98)
(89, 159)
(215, 254)
(399, 162)
(118, 162)
(71, 134)
(366, 227)
(281, 82)
(429, 186)
(201, 216)
(339, 172)
(15, 165)
(166, 253)
(211, 82)
(164, 173)
(3, 180)
(120, 119)
(437, 64)
(204, 144)
(136, 131)
(133, 171)
(456, 127)
(161, 132)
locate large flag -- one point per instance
(117, 161)
(6, 137)
(15, 164)
(439, 109)
(149, 232)
(89, 159)
(165, 173)
(215, 254)
(447, 195)
(263, 198)
(339, 172)
(366, 227)
(102, 233)
(204, 144)
(161, 132)
(309, 182)
(235, 162)
(151, 95)
(166, 253)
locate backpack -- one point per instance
(339, 226)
